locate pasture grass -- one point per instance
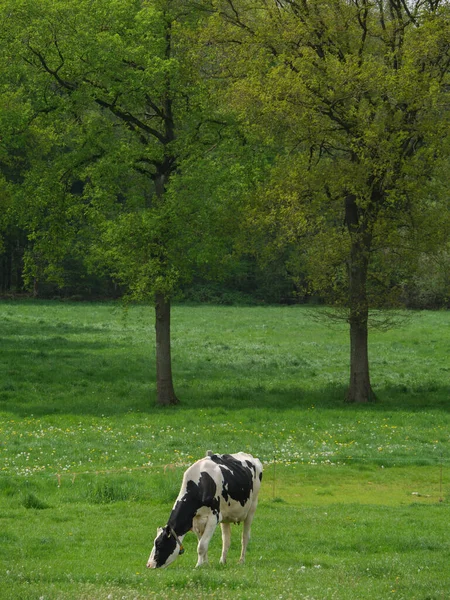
(354, 503)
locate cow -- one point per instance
(220, 488)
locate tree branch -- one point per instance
(132, 121)
(68, 85)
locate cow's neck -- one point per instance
(181, 519)
(184, 512)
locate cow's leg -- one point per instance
(226, 541)
(246, 532)
(202, 548)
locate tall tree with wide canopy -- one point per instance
(117, 84)
(355, 95)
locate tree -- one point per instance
(19, 141)
(116, 82)
(355, 95)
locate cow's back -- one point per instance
(233, 485)
(240, 476)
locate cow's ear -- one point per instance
(159, 531)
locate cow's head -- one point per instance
(166, 548)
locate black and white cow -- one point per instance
(220, 488)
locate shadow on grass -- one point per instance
(63, 368)
(55, 368)
(120, 396)
(326, 397)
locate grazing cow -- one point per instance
(220, 488)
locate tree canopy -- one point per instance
(165, 140)
(355, 95)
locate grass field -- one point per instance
(355, 499)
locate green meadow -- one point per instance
(355, 499)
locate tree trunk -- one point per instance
(360, 389)
(165, 393)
